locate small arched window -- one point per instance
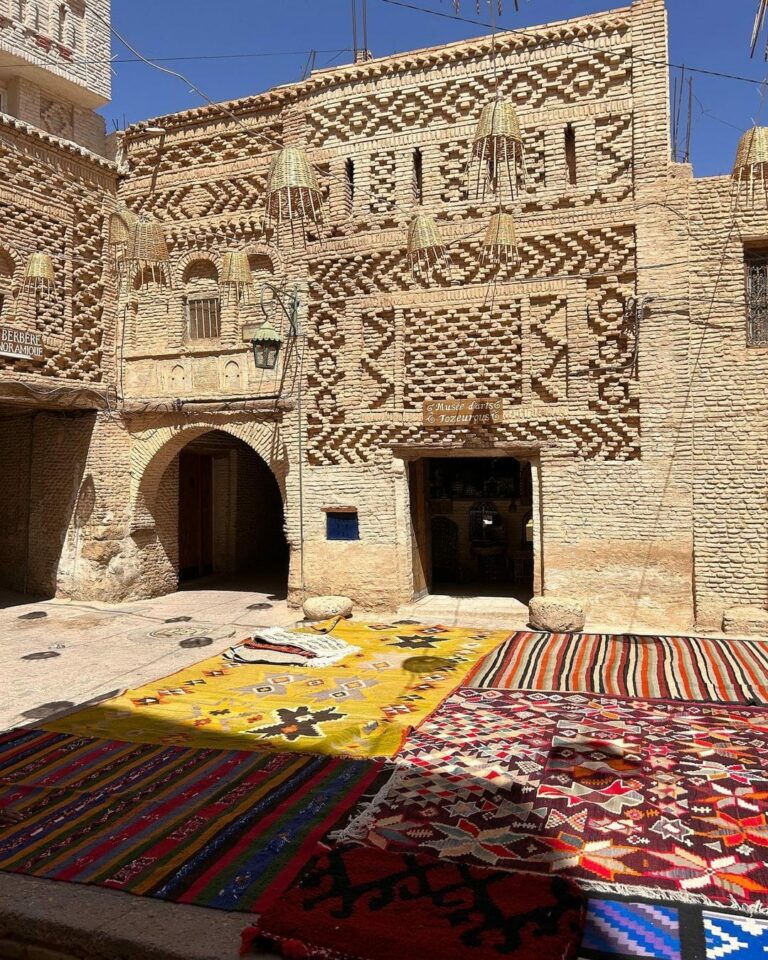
(418, 176)
(202, 300)
(570, 154)
(349, 182)
(6, 282)
(61, 23)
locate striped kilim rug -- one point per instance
(675, 668)
(216, 828)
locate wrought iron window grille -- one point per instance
(756, 283)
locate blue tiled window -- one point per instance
(342, 526)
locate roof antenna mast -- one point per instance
(355, 49)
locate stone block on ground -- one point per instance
(556, 614)
(322, 608)
(747, 621)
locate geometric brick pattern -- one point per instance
(445, 358)
(549, 348)
(567, 79)
(378, 359)
(383, 181)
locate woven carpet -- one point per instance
(630, 929)
(360, 904)
(680, 668)
(208, 827)
(363, 706)
(658, 798)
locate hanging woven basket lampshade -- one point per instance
(293, 193)
(236, 276)
(426, 249)
(38, 273)
(120, 224)
(500, 241)
(750, 169)
(146, 250)
(497, 149)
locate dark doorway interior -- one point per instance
(473, 526)
(195, 515)
(231, 520)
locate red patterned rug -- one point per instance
(650, 798)
(355, 903)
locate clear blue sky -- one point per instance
(710, 34)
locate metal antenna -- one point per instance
(365, 28)
(355, 48)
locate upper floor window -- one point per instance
(349, 177)
(61, 23)
(203, 318)
(3, 100)
(756, 283)
(570, 154)
(6, 282)
(418, 176)
(203, 303)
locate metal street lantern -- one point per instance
(266, 345)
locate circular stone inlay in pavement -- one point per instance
(43, 655)
(184, 631)
(191, 642)
(46, 709)
(259, 606)
(33, 615)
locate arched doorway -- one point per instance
(220, 516)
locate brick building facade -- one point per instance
(627, 467)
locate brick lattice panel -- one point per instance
(378, 359)
(447, 356)
(564, 80)
(549, 349)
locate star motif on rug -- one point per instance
(693, 872)
(301, 722)
(417, 642)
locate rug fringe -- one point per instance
(677, 896)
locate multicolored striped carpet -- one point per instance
(675, 668)
(216, 828)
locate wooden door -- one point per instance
(195, 515)
(418, 481)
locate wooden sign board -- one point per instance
(24, 344)
(451, 413)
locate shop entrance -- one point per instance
(472, 521)
(230, 514)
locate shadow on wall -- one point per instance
(42, 463)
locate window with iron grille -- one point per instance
(203, 318)
(756, 281)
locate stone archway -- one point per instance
(155, 464)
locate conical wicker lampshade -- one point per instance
(236, 277)
(146, 249)
(497, 149)
(750, 169)
(500, 241)
(426, 249)
(38, 273)
(120, 224)
(293, 193)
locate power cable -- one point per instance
(574, 43)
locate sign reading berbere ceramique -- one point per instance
(449, 413)
(21, 343)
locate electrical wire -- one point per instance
(574, 43)
(101, 61)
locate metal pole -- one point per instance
(354, 29)
(365, 28)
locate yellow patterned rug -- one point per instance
(362, 706)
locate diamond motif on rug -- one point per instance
(534, 781)
(735, 938)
